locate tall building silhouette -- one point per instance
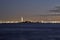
(22, 19)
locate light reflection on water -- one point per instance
(27, 33)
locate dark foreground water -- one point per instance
(30, 31)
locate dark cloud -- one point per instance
(57, 9)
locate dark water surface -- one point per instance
(30, 31)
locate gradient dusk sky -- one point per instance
(16, 8)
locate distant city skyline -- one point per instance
(14, 9)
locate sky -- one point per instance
(14, 9)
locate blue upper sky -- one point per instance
(17, 8)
